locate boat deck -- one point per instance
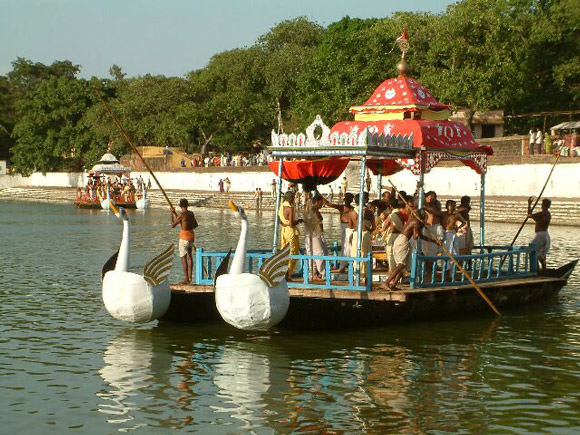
(377, 293)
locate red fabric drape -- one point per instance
(311, 173)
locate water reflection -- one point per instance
(471, 375)
(133, 364)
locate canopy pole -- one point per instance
(278, 197)
(482, 213)
(379, 186)
(359, 229)
(421, 193)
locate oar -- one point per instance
(451, 257)
(537, 200)
(130, 142)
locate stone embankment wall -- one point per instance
(498, 209)
(501, 180)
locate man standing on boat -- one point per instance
(542, 238)
(186, 237)
(289, 234)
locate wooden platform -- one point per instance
(326, 309)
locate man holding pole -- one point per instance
(186, 237)
(542, 238)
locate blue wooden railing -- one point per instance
(493, 264)
(206, 263)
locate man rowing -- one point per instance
(186, 237)
(542, 237)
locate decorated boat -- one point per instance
(400, 127)
(108, 181)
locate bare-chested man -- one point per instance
(186, 237)
(402, 246)
(465, 236)
(347, 226)
(542, 238)
(434, 214)
(452, 222)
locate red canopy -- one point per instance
(311, 172)
(436, 135)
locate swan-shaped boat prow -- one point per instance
(143, 203)
(131, 297)
(247, 301)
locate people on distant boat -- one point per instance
(315, 243)
(289, 234)
(542, 237)
(186, 237)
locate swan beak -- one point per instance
(233, 206)
(115, 209)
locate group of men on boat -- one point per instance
(391, 227)
(121, 189)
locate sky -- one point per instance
(169, 37)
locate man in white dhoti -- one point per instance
(542, 238)
(315, 242)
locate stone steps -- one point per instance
(498, 209)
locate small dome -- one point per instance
(108, 158)
(403, 91)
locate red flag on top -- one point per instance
(403, 37)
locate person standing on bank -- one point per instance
(186, 237)
(542, 237)
(539, 141)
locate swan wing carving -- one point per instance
(157, 269)
(110, 264)
(274, 268)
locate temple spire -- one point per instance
(403, 43)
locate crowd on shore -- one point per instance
(224, 160)
(540, 142)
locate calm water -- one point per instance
(66, 366)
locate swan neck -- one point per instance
(240, 255)
(123, 257)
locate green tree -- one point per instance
(154, 110)
(231, 109)
(286, 49)
(49, 133)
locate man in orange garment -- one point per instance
(186, 237)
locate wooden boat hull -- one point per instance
(332, 309)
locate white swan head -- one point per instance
(238, 210)
(119, 212)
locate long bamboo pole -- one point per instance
(130, 141)
(537, 200)
(451, 257)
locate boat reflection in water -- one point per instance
(132, 365)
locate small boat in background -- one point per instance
(107, 181)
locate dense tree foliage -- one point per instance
(521, 56)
